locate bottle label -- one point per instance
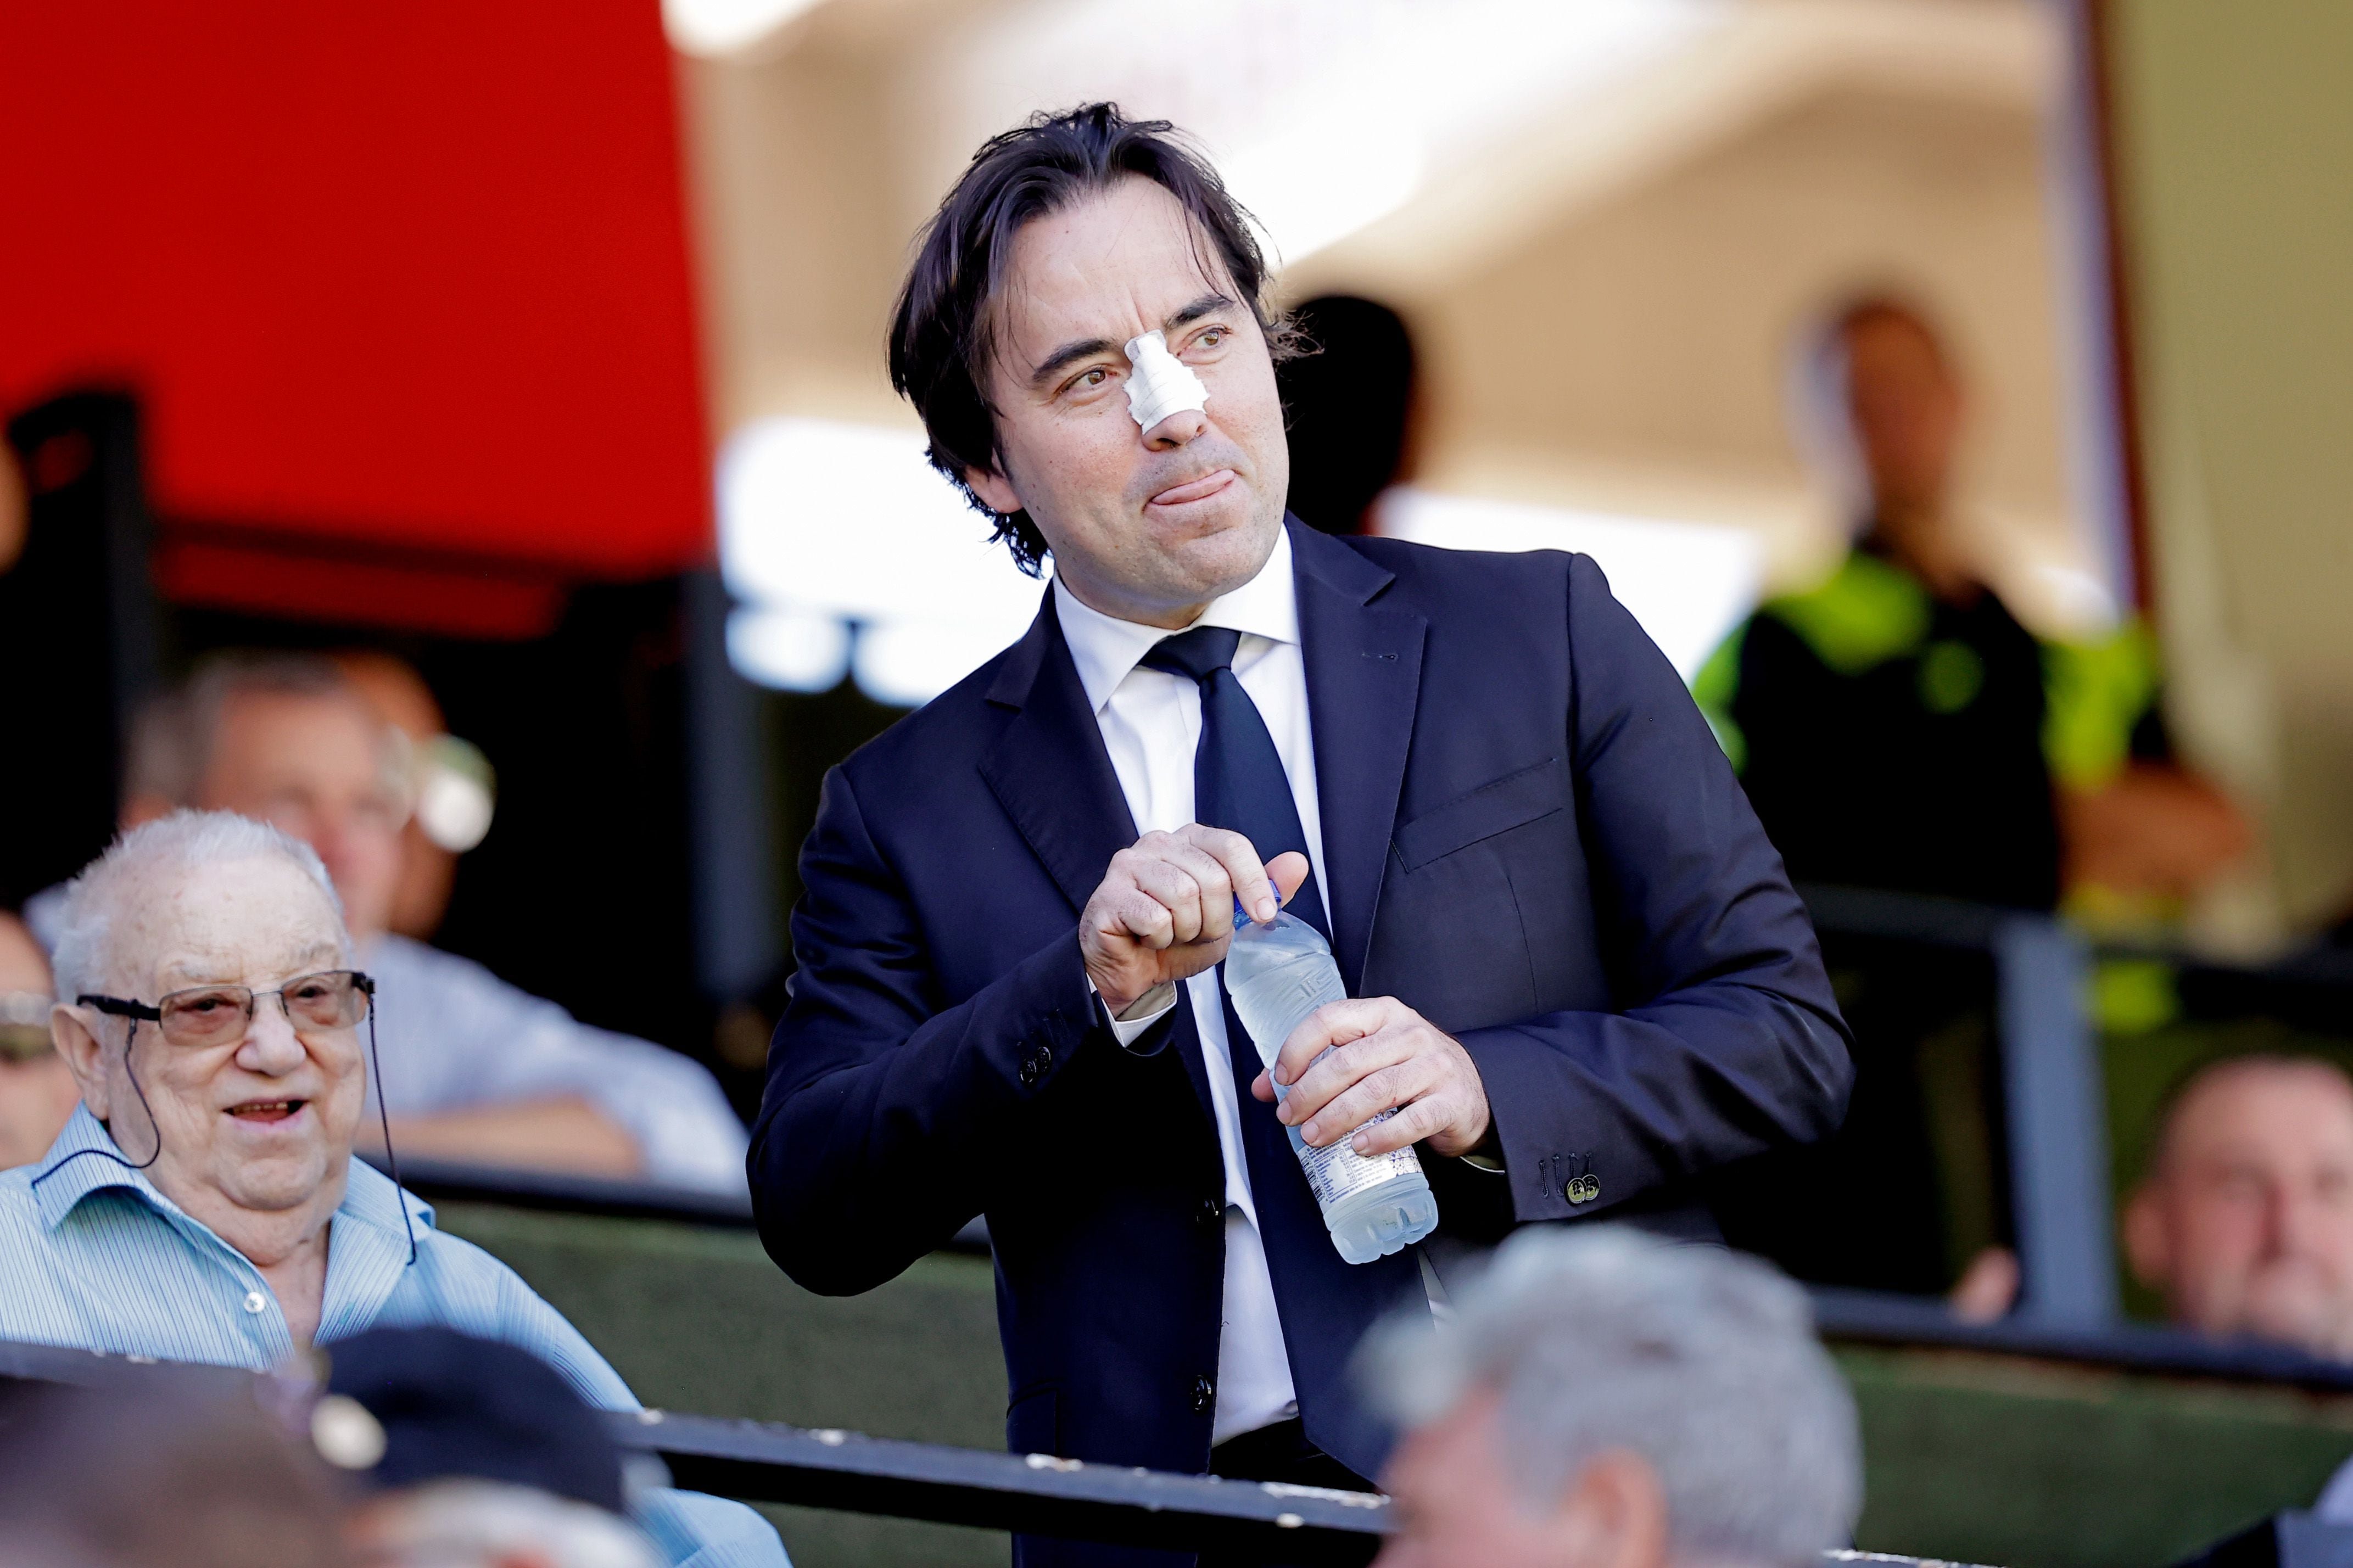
(1337, 1171)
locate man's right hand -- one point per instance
(1164, 911)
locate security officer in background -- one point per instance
(1896, 727)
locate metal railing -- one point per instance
(2053, 1089)
(2058, 1130)
(759, 1462)
(1034, 1494)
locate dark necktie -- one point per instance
(1238, 777)
(1326, 1304)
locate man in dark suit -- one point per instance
(1578, 977)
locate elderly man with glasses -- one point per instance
(203, 1203)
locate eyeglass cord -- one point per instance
(384, 1121)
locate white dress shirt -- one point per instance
(1151, 723)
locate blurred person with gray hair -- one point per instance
(203, 1203)
(474, 1068)
(1601, 1399)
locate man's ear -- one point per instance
(69, 1030)
(995, 490)
(2149, 1246)
(145, 808)
(1613, 1514)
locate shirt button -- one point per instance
(254, 1302)
(1205, 1395)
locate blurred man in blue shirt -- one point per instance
(202, 1203)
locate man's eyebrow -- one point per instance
(1069, 353)
(1207, 304)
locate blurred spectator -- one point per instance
(202, 1203)
(175, 1474)
(1605, 1400)
(451, 785)
(1896, 727)
(2244, 1218)
(36, 1092)
(477, 1455)
(1349, 401)
(474, 1068)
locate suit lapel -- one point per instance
(1049, 770)
(1054, 778)
(1363, 681)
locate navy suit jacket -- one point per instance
(1531, 837)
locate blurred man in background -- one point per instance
(452, 794)
(474, 1069)
(475, 1455)
(1349, 397)
(37, 1091)
(1898, 726)
(202, 1203)
(2245, 1219)
(1605, 1400)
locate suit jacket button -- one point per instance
(1205, 1395)
(1030, 1073)
(1213, 1211)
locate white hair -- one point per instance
(84, 960)
(1702, 1360)
(468, 1523)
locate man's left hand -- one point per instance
(1383, 1054)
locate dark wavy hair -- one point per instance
(942, 332)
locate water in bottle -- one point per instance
(1278, 973)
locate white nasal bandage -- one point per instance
(1161, 385)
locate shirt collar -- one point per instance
(1106, 649)
(85, 1160)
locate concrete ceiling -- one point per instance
(1606, 282)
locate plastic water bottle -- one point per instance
(1278, 973)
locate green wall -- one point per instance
(1968, 1456)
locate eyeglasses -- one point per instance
(208, 1016)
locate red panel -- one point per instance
(409, 273)
(449, 602)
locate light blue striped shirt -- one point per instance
(98, 1258)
